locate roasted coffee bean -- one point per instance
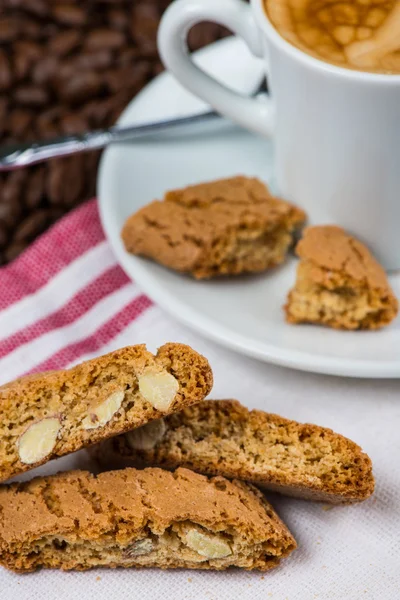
(11, 195)
(131, 77)
(74, 177)
(5, 72)
(101, 39)
(81, 87)
(127, 56)
(96, 60)
(8, 30)
(144, 25)
(47, 122)
(10, 212)
(65, 70)
(140, 73)
(117, 18)
(35, 190)
(71, 123)
(19, 122)
(40, 8)
(14, 250)
(30, 30)
(68, 14)
(45, 69)
(31, 226)
(31, 95)
(91, 164)
(55, 181)
(144, 22)
(97, 112)
(49, 31)
(64, 42)
(25, 54)
(47, 131)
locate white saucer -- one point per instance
(243, 313)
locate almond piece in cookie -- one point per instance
(222, 437)
(223, 227)
(130, 518)
(55, 413)
(38, 441)
(339, 283)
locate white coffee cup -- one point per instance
(336, 131)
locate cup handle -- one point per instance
(237, 16)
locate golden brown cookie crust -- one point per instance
(339, 283)
(133, 518)
(75, 408)
(224, 227)
(222, 437)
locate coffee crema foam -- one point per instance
(355, 34)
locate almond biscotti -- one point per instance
(223, 227)
(339, 283)
(54, 413)
(129, 518)
(222, 437)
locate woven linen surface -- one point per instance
(66, 300)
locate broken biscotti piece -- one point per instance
(339, 283)
(48, 415)
(129, 518)
(223, 227)
(222, 437)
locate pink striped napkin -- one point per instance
(63, 298)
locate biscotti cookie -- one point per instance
(339, 283)
(129, 518)
(222, 437)
(223, 227)
(48, 415)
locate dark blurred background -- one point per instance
(67, 67)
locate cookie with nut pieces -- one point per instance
(223, 227)
(222, 437)
(51, 414)
(130, 518)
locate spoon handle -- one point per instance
(14, 156)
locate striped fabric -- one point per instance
(64, 299)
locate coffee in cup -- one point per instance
(356, 34)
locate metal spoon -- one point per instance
(15, 156)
